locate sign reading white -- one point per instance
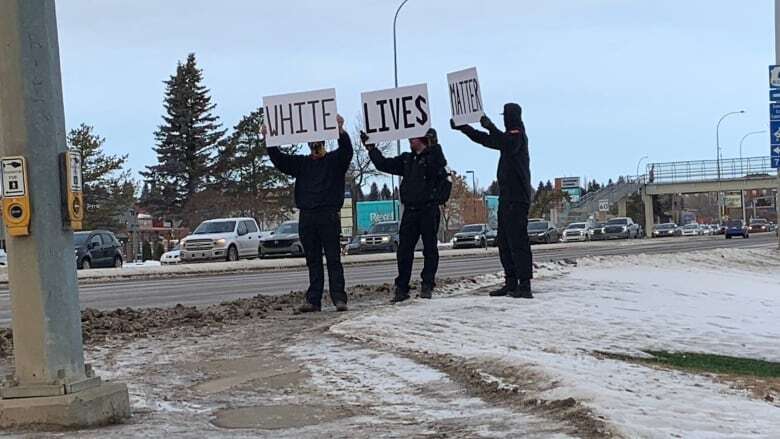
(300, 117)
(74, 184)
(465, 96)
(13, 177)
(396, 113)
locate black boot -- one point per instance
(426, 292)
(523, 290)
(308, 307)
(400, 295)
(341, 306)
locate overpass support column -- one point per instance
(649, 215)
(622, 208)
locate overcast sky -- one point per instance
(602, 82)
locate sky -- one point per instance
(602, 83)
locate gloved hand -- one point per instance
(455, 127)
(433, 139)
(485, 122)
(364, 140)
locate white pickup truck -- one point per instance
(229, 239)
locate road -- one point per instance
(201, 290)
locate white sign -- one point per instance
(13, 177)
(74, 162)
(300, 117)
(465, 96)
(774, 76)
(603, 205)
(396, 113)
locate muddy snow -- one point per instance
(463, 365)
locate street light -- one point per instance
(752, 133)
(395, 68)
(717, 136)
(637, 166)
(473, 182)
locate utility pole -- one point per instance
(51, 386)
(777, 60)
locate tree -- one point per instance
(493, 188)
(361, 169)
(108, 188)
(184, 142)
(385, 194)
(546, 201)
(549, 187)
(244, 174)
(452, 213)
(374, 194)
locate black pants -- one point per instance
(417, 222)
(513, 244)
(321, 230)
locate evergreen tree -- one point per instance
(108, 188)
(374, 194)
(493, 188)
(184, 142)
(245, 176)
(549, 187)
(385, 193)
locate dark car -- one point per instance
(666, 230)
(471, 235)
(382, 237)
(492, 238)
(97, 249)
(543, 232)
(285, 240)
(737, 228)
(759, 225)
(598, 232)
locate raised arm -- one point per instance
(488, 140)
(393, 165)
(344, 151)
(287, 163)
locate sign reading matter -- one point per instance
(465, 96)
(396, 113)
(300, 117)
(13, 177)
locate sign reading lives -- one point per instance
(396, 113)
(300, 117)
(465, 96)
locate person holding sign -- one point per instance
(319, 195)
(425, 186)
(514, 184)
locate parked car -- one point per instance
(97, 248)
(543, 232)
(471, 235)
(597, 233)
(666, 230)
(737, 228)
(759, 225)
(382, 237)
(227, 238)
(172, 257)
(285, 240)
(3, 258)
(492, 238)
(620, 228)
(577, 232)
(692, 229)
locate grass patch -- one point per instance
(692, 361)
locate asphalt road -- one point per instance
(200, 290)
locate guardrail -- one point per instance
(709, 170)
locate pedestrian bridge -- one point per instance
(702, 176)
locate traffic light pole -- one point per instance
(51, 385)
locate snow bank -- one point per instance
(723, 301)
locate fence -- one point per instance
(709, 170)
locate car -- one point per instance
(620, 228)
(692, 229)
(737, 228)
(492, 237)
(3, 258)
(382, 237)
(98, 248)
(759, 225)
(666, 230)
(597, 233)
(471, 235)
(543, 232)
(577, 232)
(172, 257)
(284, 241)
(227, 239)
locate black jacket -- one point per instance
(422, 174)
(319, 183)
(514, 168)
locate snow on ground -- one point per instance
(724, 301)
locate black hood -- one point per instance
(513, 117)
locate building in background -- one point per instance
(570, 185)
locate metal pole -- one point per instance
(752, 133)
(777, 60)
(46, 317)
(395, 69)
(717, 157)
(637, 166)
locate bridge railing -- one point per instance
(708, 170)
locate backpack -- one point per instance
(443, 187)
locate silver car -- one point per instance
(577, 232)
(620, 228)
